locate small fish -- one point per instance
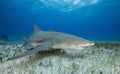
(47, 40)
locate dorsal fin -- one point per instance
(24, 38)
(36, 28)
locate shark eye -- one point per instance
(40, 41)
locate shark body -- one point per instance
(47, 40)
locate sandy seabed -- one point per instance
(102, 58)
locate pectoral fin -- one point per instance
(33, 51)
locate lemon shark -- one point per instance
(48, 40)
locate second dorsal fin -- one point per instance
(36, 28)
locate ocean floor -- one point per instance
(102, 58)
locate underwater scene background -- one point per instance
(96, 20)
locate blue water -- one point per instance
(95, 20)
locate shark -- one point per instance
(47, 40)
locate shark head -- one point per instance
(67, 41)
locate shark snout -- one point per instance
(92, 44)
(82, 45)
(87, 44)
